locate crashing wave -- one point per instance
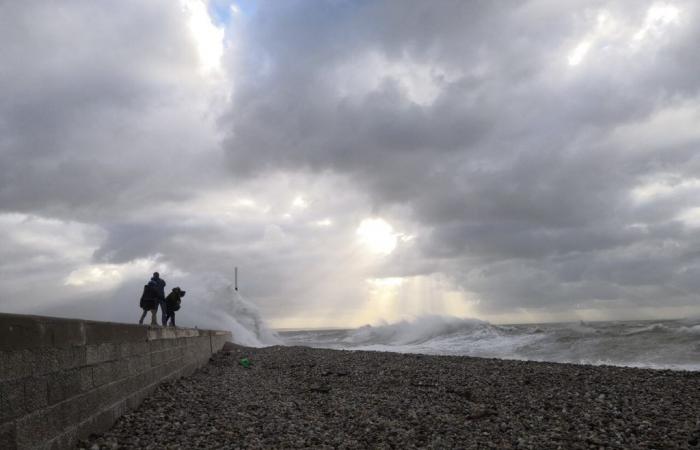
(668, 345)
(229, 310)
(417, 331)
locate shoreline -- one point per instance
(670, 367)
(303, 397)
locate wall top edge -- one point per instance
(26, 331)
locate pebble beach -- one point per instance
(300, 397)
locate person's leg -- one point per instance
(172, 318)
(164, 313)
(154, 322)
(143, 316)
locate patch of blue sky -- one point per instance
(221, 11)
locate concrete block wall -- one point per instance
(62, 379)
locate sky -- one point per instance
(358, 161)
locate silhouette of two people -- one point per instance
(154, 296)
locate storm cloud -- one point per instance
(534, 160)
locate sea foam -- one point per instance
(660, 344)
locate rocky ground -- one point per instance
(297, 397)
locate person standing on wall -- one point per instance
(159, 284)
(149, 303)
(173, 301)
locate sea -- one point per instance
(659, 344)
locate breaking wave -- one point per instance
(661, 344)
(229, 310)
(417, 331)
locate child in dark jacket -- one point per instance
(172, 302)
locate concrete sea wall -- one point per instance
(62, 379)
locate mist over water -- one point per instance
(671, 344)
(230, 311)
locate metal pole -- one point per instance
(235, 277)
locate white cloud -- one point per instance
(615, 36)
(527, 187)
(300, 202)
(577, 55)
(659, 16)
(665, 186)
(323, 223)
(208, 38)
(59, 239)
(690, 217)
(421, 82)
(105, 277)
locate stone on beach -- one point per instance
(298, 397)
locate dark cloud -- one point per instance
(84, 109)
(515, 160)
(536, 155)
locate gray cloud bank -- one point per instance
(544, 156)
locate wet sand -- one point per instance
(298, 397)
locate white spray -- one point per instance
(226, 309)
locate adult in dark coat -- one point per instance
(159, 285)
(149, 302)
(172, 302)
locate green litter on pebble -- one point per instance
(245, 362)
